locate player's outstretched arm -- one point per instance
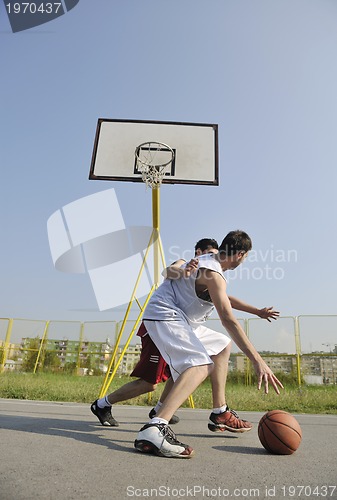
(217, 289)
(267, 313)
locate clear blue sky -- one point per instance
(265, 71)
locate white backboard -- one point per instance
(195, 147)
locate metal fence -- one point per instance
(304, 347)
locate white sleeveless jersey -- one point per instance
(177, 298)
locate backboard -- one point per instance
(195, 147)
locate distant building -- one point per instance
(130, 359)
(324, 367)
(12, 356)
(88, 357)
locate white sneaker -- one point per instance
(161, 440)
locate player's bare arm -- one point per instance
(216, 286)
(267, 313)
(175, 271)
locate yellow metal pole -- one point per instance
(80, 340)
(113, 356)
(7, 339)
(45, 331)
(161, 251)
(113, 373)
(158, 253)
(156, 228)
(158, 247)
(156, 208)
(248, 363)
(190, 400)
(298, 351)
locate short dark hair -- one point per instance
(234, 242)
(206, 243)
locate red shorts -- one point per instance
(151, 367)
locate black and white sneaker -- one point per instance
(104, 415)
(174, 419)
(161, 440)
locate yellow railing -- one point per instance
(85, 335)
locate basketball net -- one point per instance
(152, 159)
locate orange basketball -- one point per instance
(279, 432)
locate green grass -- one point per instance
(61, 387)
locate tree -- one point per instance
(51, 361)
(30, 354)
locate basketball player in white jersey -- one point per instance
(152, 369)
(174, 311)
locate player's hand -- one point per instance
(268, 313)
(191, 267)
(265, 376)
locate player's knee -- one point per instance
(148, 386)
(228, 346)
(206, 370)
(209, 369)
(225, 353)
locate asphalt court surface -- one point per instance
(60, 451)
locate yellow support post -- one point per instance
(298, 351)
(248, 377)
(158, 254)
(113, 373)
(190, 400)
(113, 356)
(158, 250)
(45, 331)
(7, 339)
(80, 340)
(156, 228)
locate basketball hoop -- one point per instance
(152, 160)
